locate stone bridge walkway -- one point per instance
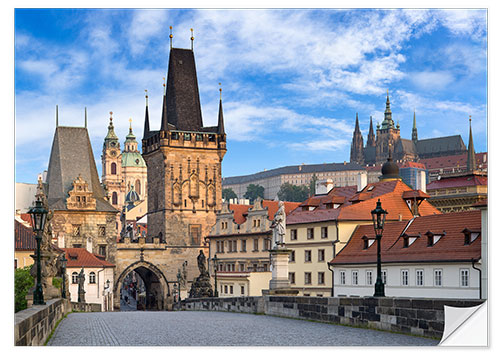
(211, 328)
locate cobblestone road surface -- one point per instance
(211, 328)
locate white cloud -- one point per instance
(431, 80)
(320, 145)
(464, 22)
(145, 25)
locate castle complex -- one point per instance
(387, 137)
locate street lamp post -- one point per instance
(38, 217)
(216, 293)
(378, 217)
(63, 264)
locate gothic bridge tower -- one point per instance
(184, 183)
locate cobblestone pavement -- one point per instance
(211, 328)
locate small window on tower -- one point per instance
(113, 168)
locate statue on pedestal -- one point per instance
(201, 286)
(81, 291)
(279, 227)
(49, 256)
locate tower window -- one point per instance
(114, 199)
(113, 168)
(138, 186)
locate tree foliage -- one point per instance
(293, 193)
(312, 185)
(254, 191)
(23, 281)
(228, 193)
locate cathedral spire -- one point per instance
(146, 118)
(357, 154)
(414, 134)
(57, 116)
(370, 141)
(388, 122)
(471, 154)
(85, 117)
(220, 124)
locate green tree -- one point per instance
(312, 185)
(254, 191)
(23, 281)
(293, 193)
(228, 193)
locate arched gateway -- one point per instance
(157, 289)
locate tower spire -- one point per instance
(387, 123)
(471, 154)
(192, 40)
(57, 115)
(357, 154)
(171, 37)
(370, 141)
(85, 117)
(414, 133)
(220, 124)
(146, 118)
(356, 127)
(164, 120)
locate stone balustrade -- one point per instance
(422, 317)
(34, 324)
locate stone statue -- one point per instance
(202, 263)
(279, 226)
(201, 286)
(81, 291)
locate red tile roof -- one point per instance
(80, 257)
(24, 238)
(461, 181)
(460, 161)
(390, 194)
(241, 211)
(449, 248)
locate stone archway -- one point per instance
(157, 287)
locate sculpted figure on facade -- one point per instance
(279, 226)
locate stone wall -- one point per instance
(85, 307)
(33, 325)
(423, 317)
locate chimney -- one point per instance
(361, 181)
(422, 185)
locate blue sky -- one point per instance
(292, 80)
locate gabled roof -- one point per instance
(24, 238)
(449, 248)
(241, 211)
(80, 257)
(360, 204)
(71, 156)
(460, 181)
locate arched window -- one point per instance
(138, 186)
(113, 168)
(114, 199)
(92, 278)
(74, 278)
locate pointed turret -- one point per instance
(220, 123)
(111, 129)
(164, 119)
(388, 122)
(357, 144)
(370, 141)
(414, 134)
(471, 154)
(146, 118)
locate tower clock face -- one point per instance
(112, 144)
(113, 153)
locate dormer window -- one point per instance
(370, 188)
(367, 242)
(433, 238)
(407, 240)
(469, 236)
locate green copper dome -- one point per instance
(132, 159)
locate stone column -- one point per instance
(279, 283)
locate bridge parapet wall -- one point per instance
(33, 325)
(422, 317)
